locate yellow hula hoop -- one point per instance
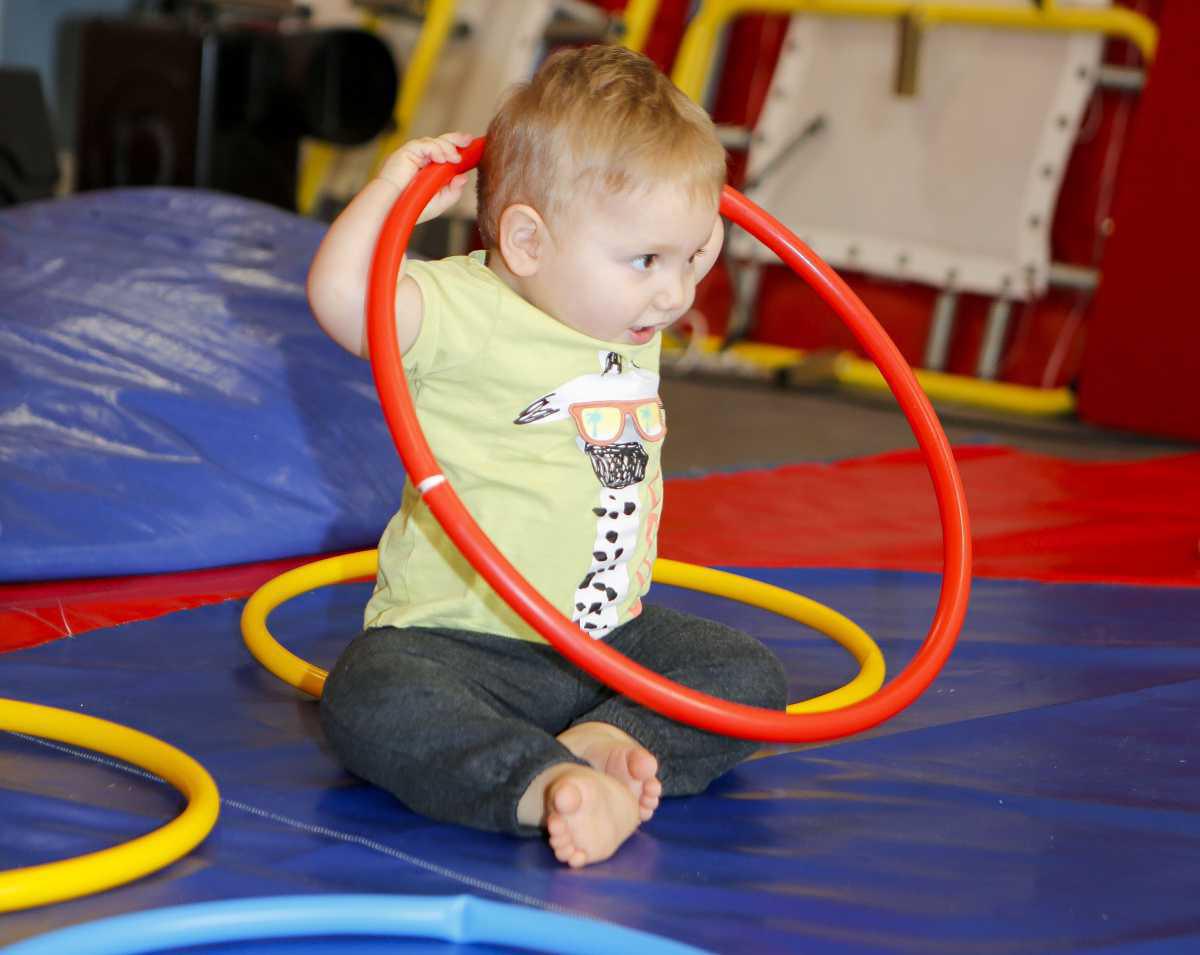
(310, 679)
(71, 878)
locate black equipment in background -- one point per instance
(28, 162)
(168, 102)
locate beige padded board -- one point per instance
(953, 186)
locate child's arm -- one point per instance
(338, 276)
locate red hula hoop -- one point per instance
(596, 658)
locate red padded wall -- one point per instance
(1141, 366)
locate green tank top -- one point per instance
(552, 440)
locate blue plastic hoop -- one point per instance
(454, 918)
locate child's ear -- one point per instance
(523, 239)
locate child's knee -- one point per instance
(764, 679)
(350, 672)
(754, 676)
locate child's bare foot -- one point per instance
(588, 815)
(617, 754)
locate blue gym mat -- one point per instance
(167, 401)
(1042, 796)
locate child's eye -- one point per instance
(696, 255)
(643, 262)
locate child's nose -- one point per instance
(674, 294)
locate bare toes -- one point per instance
(567, 798)
(642, 765)
(589, 815)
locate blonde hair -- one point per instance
(599, 118)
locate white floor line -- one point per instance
(347, 837)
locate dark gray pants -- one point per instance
(456, 725)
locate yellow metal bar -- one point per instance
(700, 40)
(439, 18)
(845, 368)
(962, 389)
(638, 18)
(318, 160)
(319, 156)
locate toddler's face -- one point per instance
(622, 268)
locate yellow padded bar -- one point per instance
(319, 156)
(439, 19)
(700, 39)
(846, 368)
(638, 17)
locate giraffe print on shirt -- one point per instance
(620, 467)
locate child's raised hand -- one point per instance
(402, 165)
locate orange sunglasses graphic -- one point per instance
(601, 422)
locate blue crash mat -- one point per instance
(1042, 796)
(166, 400)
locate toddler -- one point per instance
(533, 368)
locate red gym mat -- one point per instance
(1033, 517)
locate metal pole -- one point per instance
(937, 345)
(994, 333)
